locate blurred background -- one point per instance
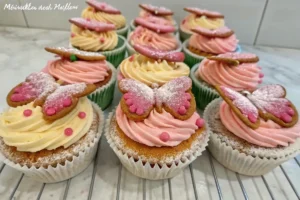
(256, 22)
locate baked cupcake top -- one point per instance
(163, 116)
(159, 37)
(264, 117)
(45, 115)
(238, 71)
(201, 18)
(218, 41)
(103, 12)
(71, 69)
(151, 66)
(148, 11)
(90, 35)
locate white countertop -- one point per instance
(21, 52)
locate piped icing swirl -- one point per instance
(193, 21)
(144, 36)
(88, 40)
(31, 133)
(213, 45)
(149, 131)
(117, 19)
(150, 71)
(245, 76)
(78, 71)
(269, 134)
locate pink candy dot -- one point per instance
(182, 110)
(252, 118)
(132, 108)
(131, 58)
(188, 96)
(68, 131)
(88, 19)
(17, 97)
(290, 111)
(81, 115)
(67, 102)
(260, 81)
(27, 112)
(286, 118)
(72, 34)
(129, 102)
(50, 111)
(139, 111)
(102, 40)
(187, 104)
(261, 75)
(126, 96)
(164, 136)
(200, 123)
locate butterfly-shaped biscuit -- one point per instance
(155, 24)
(156, 10)
(175, 97)
(103, 7)
(267, 102)
(56, 100)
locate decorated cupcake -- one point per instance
(205, 42)
(153, 67)
(155, 14)
(102, 12)
(238, 71)
(156, 132)
(93, 36)
(75, 66)
(253, 132)
(50, 132)
(199, 18)
(160, 37)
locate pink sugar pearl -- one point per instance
(164, 136)
(72, 34)
(139, 111)
(132, 108)
(286, 118)
(17, 97)
(200, 123)
(188, 96)
(182, 110)
(81, 115)
(290, 111)
(252, 118)
(187, 104)
(27, 112)
(261, 75)
(50, 111)
(67, 102)
(129, 102)
(68, 131)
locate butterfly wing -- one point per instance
(272, 104)
(241, 105)
(176, 98)
(138, 99)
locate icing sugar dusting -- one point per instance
(238, 56)
(92, 24)
(213, 32)
(70, 50)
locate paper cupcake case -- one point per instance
(70, 168)
(123, 31)
(240, 162)
(133, 26)
(184, 35)
(104, 95)
(154, 171)
(203, 93)
(191, 58)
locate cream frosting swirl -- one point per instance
(87, 40)
(33, 133)
(144, 36)
(148, 131)
(246, 76)
(269, 134)
(78, 71)
(149, 71)
(213, 44)
(117, 19)
(193, 21)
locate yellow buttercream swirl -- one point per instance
(149, 71)
(33, 133)
(87, 40)
(193, 21)
(117, 19)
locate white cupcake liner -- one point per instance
(131, 50)
(241, 162)
(70, 168)
(155, 171)
(133, 26)
(123, 31)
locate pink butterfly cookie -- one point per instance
(92, 24)
(103, 7)
(202, 12)
(222, 32)
(156, 10)
(154, 26)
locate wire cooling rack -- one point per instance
(205, 179)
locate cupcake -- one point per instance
(156, 132)
(102, 12)
(151, 66)
(50, 132)
(199, 18)
(75, 66)
(160, 37)
(238, 71)
(155, 14)
(252, 133)
(206, 42)
(93, 36)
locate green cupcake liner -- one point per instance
(190, 58)
(103, 96)
(184, 35)
(203, 93)
(123, 31)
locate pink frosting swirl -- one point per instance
(78, 71)
(148, 132)
(246, 76)
(144, 36)
(213, 45)
(269, 134)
